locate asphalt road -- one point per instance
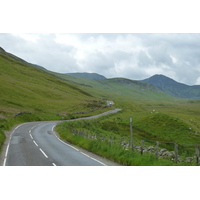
(37, 144)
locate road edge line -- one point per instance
(77, 149)
(7, 149)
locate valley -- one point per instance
(31, 93)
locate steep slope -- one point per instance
(21, 60)
(87, 75)
(174, 88)
(29, 93)
(118, 88)
(24, 88)
(136, 89)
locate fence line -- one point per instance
(176, 148)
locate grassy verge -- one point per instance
(166, 122)
(6, 123)
(113, 152)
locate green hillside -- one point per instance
(28, 93)
(119, 88)
(156, 116)
(171, 87)
(27, 89)
(87, 75)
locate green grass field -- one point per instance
(170, 123)
(30, 94)
(25, 89)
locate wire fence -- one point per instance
(177, 152)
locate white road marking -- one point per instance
(6, 154)
(44, 153)
(68, 145)
(53, 127)
(7, 150)
(77, 149)
(33, 127)
(35, 143)
(4, 162)
(93, 159)
(54, 164)
(31, 136)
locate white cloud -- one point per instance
(134, 56)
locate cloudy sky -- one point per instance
(134, 56)
(129, 38)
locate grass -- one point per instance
(39, 95)
(121, 88)
(25, 89)
(167, 122)
(113, 152)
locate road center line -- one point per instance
(44, 153)
(31, 136)
(35, 143)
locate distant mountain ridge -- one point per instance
(161, 82)
(87, 75)
(174, 88)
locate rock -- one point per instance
(180, 160)
(151, 149)
(21, 113)
(161, 152)
(166, 154)
(189, 159)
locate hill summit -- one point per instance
(174, 88)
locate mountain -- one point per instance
(26, 87)
(174, 88)
(87, 75)
(118, 88)
(21, 60)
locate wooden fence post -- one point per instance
(197, 154)
(120, 141)
(157, 148)
(176, 152)
(142, 147)
(131, 134)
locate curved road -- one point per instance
(36, 144)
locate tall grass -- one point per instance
(168, 127)
(113, 152)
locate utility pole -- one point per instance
(131, 135)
